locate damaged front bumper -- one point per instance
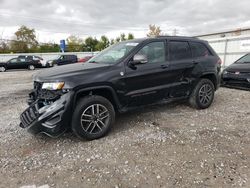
(51, 119)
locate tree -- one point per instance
(102, 43)
(154, 31)
(50, 47)
(74, 44)
(118, 39)
(24, 40)
(4, 47)
(123, 37)
(130, 36)
(112, 41)
(90, 44)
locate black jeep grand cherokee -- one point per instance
(85, 97)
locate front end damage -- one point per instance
(49, 112)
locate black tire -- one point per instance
(83, 107)
(31, 67)
(2, 69)
(203, 94)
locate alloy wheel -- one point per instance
(205, 94)
(95, 118)
(31, 67)
(2, 69)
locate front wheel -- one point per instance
(31, 67)
(2, 69)
(203, 94)
(93, 117)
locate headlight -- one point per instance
(225, 72)
(53, 86)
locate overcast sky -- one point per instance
(56, 19)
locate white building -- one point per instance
(229, 45)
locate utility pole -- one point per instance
(175, 32)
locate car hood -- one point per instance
(68, 72)
(239, 67)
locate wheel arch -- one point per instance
(212, 77)
(104, 91)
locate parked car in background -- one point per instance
(20, 63)
(39, 60)
(237, 75)
(84, 59)
(86, 97)
(62, 60)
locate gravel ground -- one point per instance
(161, 146)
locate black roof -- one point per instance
(168, 38)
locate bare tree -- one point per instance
(154, 31)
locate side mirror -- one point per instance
(139, 59)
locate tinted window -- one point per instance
(13, 60)
(199, 49)
(155, 52)
(179, 50)
(244, 59)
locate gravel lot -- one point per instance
(161, 146)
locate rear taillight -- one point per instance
(219, 62)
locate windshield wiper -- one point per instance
(92, 62)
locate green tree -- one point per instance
(50, 47)
(102, 43)
(74, 44)
(112, 41)
(90, 44)
(154, 31)
(130, 36)
(123, 37)
(4, 47)
(118, 39)
(24, 40)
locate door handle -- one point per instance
(164, 66)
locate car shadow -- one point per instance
(124, 121)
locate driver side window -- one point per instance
(154, 52)
(13, 61)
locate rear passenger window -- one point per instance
(179, 50)
(199, 49)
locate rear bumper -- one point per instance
(52, 120)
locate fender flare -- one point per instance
(114, 95)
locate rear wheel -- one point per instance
(2, 69)
(93, 117)
(203, 94)
(31, 67)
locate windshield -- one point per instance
(114, 53)
(244, 59)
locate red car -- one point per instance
(84, 59)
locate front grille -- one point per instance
(240, 73)
(29, 115)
